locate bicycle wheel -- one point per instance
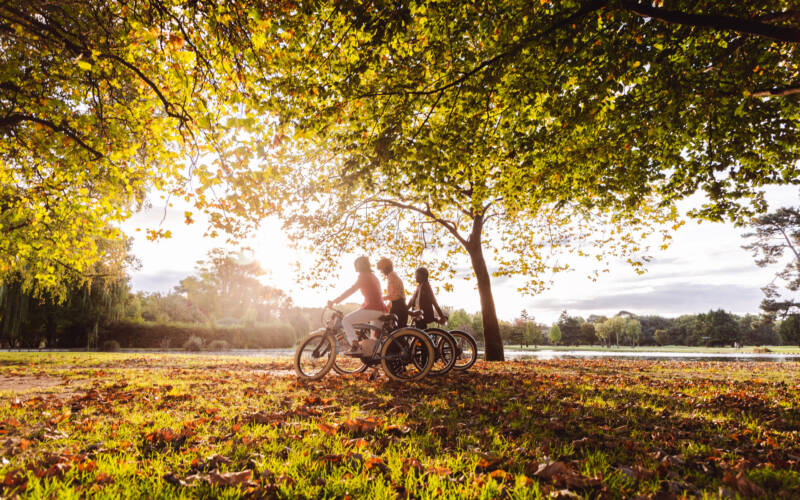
(466, 350)
(444, 347)
(345, 365)
(407, 355)
(315, 356)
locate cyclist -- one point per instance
(370, 311)
(423, 300)
(395, 293)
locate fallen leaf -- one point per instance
(742, 484)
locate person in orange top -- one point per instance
(395, 293)
(373, 307)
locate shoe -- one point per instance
(355, 351)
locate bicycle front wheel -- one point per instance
(407, 355)
(315, 356)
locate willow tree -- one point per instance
(542, 117)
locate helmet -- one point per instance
(362, 264)
(421, 274)
(384, 265)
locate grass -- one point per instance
(123, 425)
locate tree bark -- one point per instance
(491, 328)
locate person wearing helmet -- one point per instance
(373, 307)
(395, 293)
(423, 300)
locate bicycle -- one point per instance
(404, 354)
(444, 345)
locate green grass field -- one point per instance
(130, 426)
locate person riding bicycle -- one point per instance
(424, 301)
(372, 309)
(395, 293)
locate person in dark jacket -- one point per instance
(424, 301)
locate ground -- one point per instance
(133, 425)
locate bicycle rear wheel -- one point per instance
(315, 356)
(466, 352)
(407, 355)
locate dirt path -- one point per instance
(22, 383)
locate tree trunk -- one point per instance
(94, 335)
(491, 328)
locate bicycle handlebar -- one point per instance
(326, 308)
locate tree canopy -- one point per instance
(102, 102)
(516, 121)
(523, 126)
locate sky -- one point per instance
(704, 268)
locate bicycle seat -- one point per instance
(387, 317)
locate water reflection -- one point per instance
(546, 354)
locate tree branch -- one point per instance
(777, 92)
(717, 22)
(515, 49)
(427, 213)
(183, 116)
(13, 119)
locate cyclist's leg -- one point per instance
(360, 316)
(400, 309)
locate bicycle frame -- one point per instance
(362, 333)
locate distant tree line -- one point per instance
(222, 302)
(714, 328)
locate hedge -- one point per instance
(145, 335)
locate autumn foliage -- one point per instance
(132, 426)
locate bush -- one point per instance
(661, 337)
(218, 345)
(146, 335)
(194, 343)
(109, 346)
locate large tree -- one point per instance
(226, 285)
(505, 120)
(776, 239)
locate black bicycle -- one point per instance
(444, 345)
(404, 353)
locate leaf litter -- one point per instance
(540, 429)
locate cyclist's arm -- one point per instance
(350, 291)
(410, 304)
(436, 306)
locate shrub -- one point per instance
(661, 337)
(218, 345)
(109, 346)
(194, 343)
(147, 335)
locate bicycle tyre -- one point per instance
(464, 339)
(445, 344)
(307, 342)
(393, 367)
